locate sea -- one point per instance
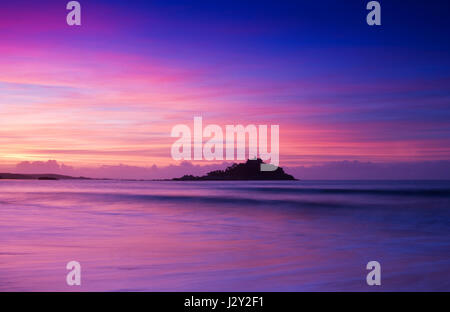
(224, 235)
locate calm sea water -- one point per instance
(224, 236)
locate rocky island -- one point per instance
(250, 170)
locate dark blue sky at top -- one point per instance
(413, 33)
(218, 28)
(318, 23)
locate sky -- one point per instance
(107, 93)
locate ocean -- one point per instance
(224, 236)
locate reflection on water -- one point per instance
(224, 236)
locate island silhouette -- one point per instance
(250, 170)
(18, 176)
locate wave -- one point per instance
(390, 192)
(208, 199)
